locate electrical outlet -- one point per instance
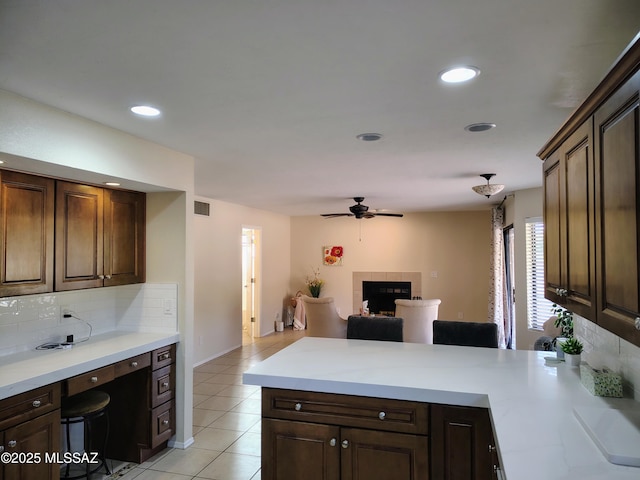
(167, 306)
(434, 274)
(277, 315)
(460, 315)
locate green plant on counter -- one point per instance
(564, 320)
(572, 346)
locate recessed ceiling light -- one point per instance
(112, 184)
(459, 74)
(480, 127)
(369, 137)
(145, 110)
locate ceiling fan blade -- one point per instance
(334, 215)
(388, 214)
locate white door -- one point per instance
(250, 290)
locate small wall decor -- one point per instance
(332, 255)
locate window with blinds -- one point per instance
(538, 307)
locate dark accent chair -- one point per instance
(375, 328)
(467, 334)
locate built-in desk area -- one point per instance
(136, 369)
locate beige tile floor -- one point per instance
(226, 421)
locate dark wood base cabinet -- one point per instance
(319, 436)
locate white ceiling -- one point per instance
(269, 95)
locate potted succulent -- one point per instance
(564, 321)
(572, 349)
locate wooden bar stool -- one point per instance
(86, 408)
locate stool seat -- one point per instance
(84, 404)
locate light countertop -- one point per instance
(25, 371)
(531, 403)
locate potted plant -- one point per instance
(572, 349)
(314, 283)
(564, 321)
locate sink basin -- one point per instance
(615, 432)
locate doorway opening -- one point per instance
(250, 284)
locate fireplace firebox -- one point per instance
(382, 295)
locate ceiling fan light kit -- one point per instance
(488, 189)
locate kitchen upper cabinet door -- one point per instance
(461, 443)
(368, 454)
(553, 237)
(26, 234)
(79, 236)
(124, 246)
(300, 451)
(617, 126)
(579, 261)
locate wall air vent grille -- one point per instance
(201, 208)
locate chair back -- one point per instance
(418, 316)
(468, 334)
(323, 319)
(375, 328)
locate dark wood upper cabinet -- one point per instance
(569, 223)
(617, 141)
(592, 204)
(26, 234)
(124, 246)
(100, 237)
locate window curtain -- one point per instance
(498, 287)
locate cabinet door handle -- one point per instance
(94, 379)
(333, 442)
(165, 356)
(165, 384)
(1, 448)
(134, 364)
(108, 277)
(492, 449)
(637, 323)
(165, 422)
(382, 415)
(345, 443)
(101, 277)
(36, 403)
(298, 407)
(12, 443)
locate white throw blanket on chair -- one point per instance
(299, 318)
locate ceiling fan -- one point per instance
(361, 211)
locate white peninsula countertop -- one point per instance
(531, 403)
(31, 369)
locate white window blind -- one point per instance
(538, 307)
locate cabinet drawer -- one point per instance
(163, 423)
(346, 410)
(163, 384)
(28, 405)
(132, 364)
(162, 357)
(89, 380)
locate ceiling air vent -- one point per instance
(201, 208)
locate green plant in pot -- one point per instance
(314, 283)
(572, 349)
(564, 321)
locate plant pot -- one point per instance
(573, 360)
(559, 342)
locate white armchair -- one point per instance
(323, 319)
(418, 318)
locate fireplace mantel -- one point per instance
(358, 277)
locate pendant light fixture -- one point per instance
(488, 189)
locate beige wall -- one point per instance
(218, 274)
(456, 245)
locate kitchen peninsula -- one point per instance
(530, 404)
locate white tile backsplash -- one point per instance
(30, 320)
(604, 349)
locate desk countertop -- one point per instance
(531, 403)
(32, 369)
